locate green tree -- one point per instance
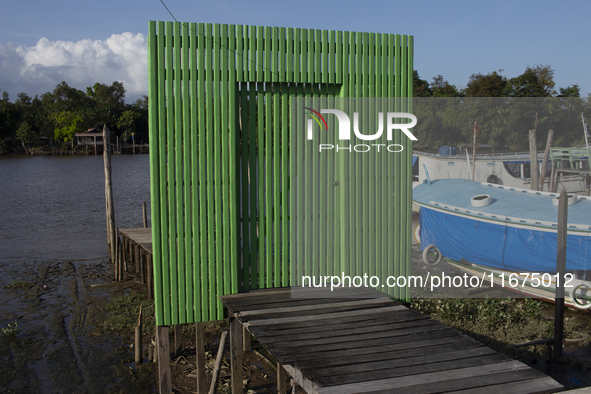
(127, 122)
(26, 135)
(66, 125)
(442, 88)
(489, 85)
(525, 85)
(420, 86)
(570, 91)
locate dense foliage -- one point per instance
(56, 116)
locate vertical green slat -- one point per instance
(387, 169)
(330, 189)
(225, 179)
(397, 166)
(408, 151)
(325, 178)
(268, 135)
(240, 63)
(403, 166)
(317, 56)
(314, 176)
(297, 52)
(274, 69)
(188, 310)
(246, 216)
(301, 218)
(268, 42)
(277, 217)
(210, 165)
(197, 289)
(285, 171)
(259, 54)
(310, 56)
(252, 50)
(203, 190)
(233, 174)
(172, 230)
(325, 56)
(261, 183)
(289, 77)
(254, 178)
(303, 50)
(156, 80)
(331, 57)
(282, 56)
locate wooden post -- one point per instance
(236, 355)
(138, 339)
(136, 257)
(109, 194)
(178, 340)
(164, 375)
(150, 276)
(245, 340)
(545, 162)
(533, 160)
(200, 356)
(281, 379)
(218, 363)
(145, 216)
(560, 272)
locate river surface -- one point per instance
(53, 207)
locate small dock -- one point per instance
(134, 253)
(371, 345)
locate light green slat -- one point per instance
(188, 310)
(225, 179)
(325, 178)
(233, 174)
(240, 58)
(268, 55)
(304, 59)
(156, 80)
(289, 77)
(172, 230)
(246, 241)
(314, 176)
(260, 51)
(325, 56)
(408, 172)
(391, 166)
(330, 195)
(210, 185)
(281, 66)
(203, 175)
(217, 157)
(274, 69)
(268, 153)
(310, 56)
(330, 56)
(397, 166)
(285, 137)
(277, 217)
(369, 44)
(301, 218)
(254, 181)
(195, 201)
(308, 177)
(261, 184)
(317, 56)
(387, 250)
(297, 57)
(252, 56)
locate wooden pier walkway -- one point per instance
(371, 345)
(134, 252)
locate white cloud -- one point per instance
(37, 69)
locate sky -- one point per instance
(83, 42)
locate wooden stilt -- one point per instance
(281, 379)
(142, 268)
(145, 215)
(236, 355)
(200, 356)
(177, 339)
(164, 375)
(136, 253)
(245, 340)
(561, 273)
(150, 276)
(218, 362)
(138, 340)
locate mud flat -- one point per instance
(59, 346)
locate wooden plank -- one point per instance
(281, 379)
(414, 370)
(418, 345)
(313, 371)
(327, 316)
(369, 328)
(200, 357)
(540, 385)
(328, 360)
(465, 383)
(164, 374)
(317, 306)
(431, 377)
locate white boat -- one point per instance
(508, 169)
(508, 235)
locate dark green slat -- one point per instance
(277, 217)
(268, 154)
(325, 56)
(297, 55)
(203, 176)
(261, 184)
(156, 80)
(172, 230)
(285, 136)
(225, 178)
(408, 172)
(325, 182)
(274, 69)
(331, 57)
(318, 56)
(289, 77)
(304, 59)
(246, 217)
(188, 310)
(268, 54)
(240, 55)
(252, 58)
(301, 217)
(310, 56)
(252, 163)
(397, 165)
(282, 55)
(314, 178)
(233, 174)
(259, 54)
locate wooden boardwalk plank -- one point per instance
(314, 308)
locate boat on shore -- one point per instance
(506, 234)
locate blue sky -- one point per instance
(82, 42)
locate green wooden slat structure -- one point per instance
(227, 166)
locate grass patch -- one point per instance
(10, 331)
(497, 322)
(123, 314)
(18, 284)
